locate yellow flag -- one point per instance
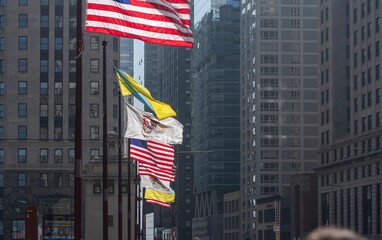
(129, 86)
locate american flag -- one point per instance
(164, 22)
(155, 159)
(163, 204)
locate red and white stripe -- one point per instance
(163, 204)
(164, 22)
(157, 160)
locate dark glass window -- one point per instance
(22, 132)
(23, 20)
(22, 88)
(22, 110)
(23, 65)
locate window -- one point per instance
(94, 110)
(23, 20)
(1, 155)
(43, 180)
(23, 43)
(94, 43)
(58, 155)
(44, 66)
(43, 110)
(58, 88)
(94, 65)
(71, 155)
(1, 133)
(2, 43)
(18, 229)
(43, 155)
(94, 133)
(96, 186)
(2, 23)
(44, 43)
(58, 110)
(58, 66)
(22, 110)
(44, 133)
(44, 21)
(22, 132)
(58, 22)
(58, 44)
(94, 88)
(23, 65)
(58, 133)
(110, 186)
(2, 110)
(23, 2)
(94, 153)
(1, 88)
(115, 44)
(44, 88)
(71, 180)
(22, 155)
(22, 88)
(57, 178)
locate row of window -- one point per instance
(369, 170)
(58, 112)
(22, 155)
(349, 202)
(58, 88)
(363, 9)
(22, 133)
(368, 55)
(356, 149)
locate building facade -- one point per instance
(176, 91)
(349, 175)
(215, 118)
(37, 111)
(231, 229)
(279, 100)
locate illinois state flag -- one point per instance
(144, 126)
(164, 22)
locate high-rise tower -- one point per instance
(215, 126)
(350, 154)
(279, 102)
(37, 110)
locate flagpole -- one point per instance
(128, 191)
(78, 132)
(119, 167)
(105, 149)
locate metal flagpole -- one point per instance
(128, 191)
(119, 167)
(78, 132)
(105, 149)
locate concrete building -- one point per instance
(215, 118)
(303, 200)
(349, 175)
(231, 225)
(37, 107)
(279, 100)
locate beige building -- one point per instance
(94, 200)
(37, 107)
(350, 154)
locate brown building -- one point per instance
(303, 204)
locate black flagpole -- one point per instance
(78, 132)
(128, 191)
(119, 167)
(105, 150)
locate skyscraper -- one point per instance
(215, 117)
(349, 174)
(279, 102)
(37, 107)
